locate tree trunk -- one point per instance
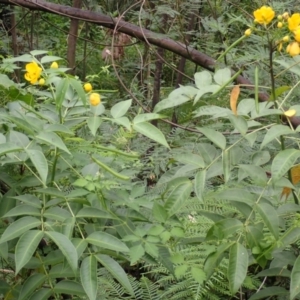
(72, 39)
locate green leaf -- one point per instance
(159, 213)
(26, 247)
(214, 259)
(39, 161)
(23, 209)
(123, 121)
(6, 82)
(290, 236)
(31, 284)
(205, 90)
(61, 270)
(41, 294)
(198, 274)
(237, 266)
(176, 97)
(57, 213)
(211, 110)
(266, 293)
(239, 123)
(257, 174)
(226, 163)
(23, 124)
(202, 79)
(278, 272)
(234, 194)
(136, 252)
(49, 58)
(9, 147)
(92, 212)
(69, 287)
(4, 251)
(295, 279)
(88, 276)
(80, 245)
(18, 227)
(222, 76)
(52, 139)
(110, 170)
(37, 52)
(66, 247)
(116, 271)
(178, 196)
(269, 217)
(151, 132)
(260, 158)
(77, 86)
(199, 184)
(290, 64)
(59, 128)
(107, 241)
(93, 124)
(275, 132)
(279, 91)
(141, 118)
(120, 109)
(190, 158)
(61, 90)
(214, 136)
(180, 271)
(283, 161)
(224, 228)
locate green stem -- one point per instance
(231, 46)
(282, 141)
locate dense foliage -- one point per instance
(104, 197)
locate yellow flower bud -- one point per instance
(87, 87)
(285, 15)
(248, 32)
(54, 65)
(279, 25)
(279, 47)
(279, 18)
(293, 49)
(42, 81)
(290, 113)
(95, 99)
(286, 38)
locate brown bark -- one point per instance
(14, 41)
(137, 32)
(72, 39)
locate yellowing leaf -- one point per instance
(295, 172)
(285, 192)
(234, 95)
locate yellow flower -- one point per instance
(279, 25)
(54, 65)
(42, 81)
(297, 34)
(87, 87)
(290, 113)
(293, 49)
(95, 99)
(286, 38)
(33, 72)
(248, 32)
(294, 22)
(264, 15)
